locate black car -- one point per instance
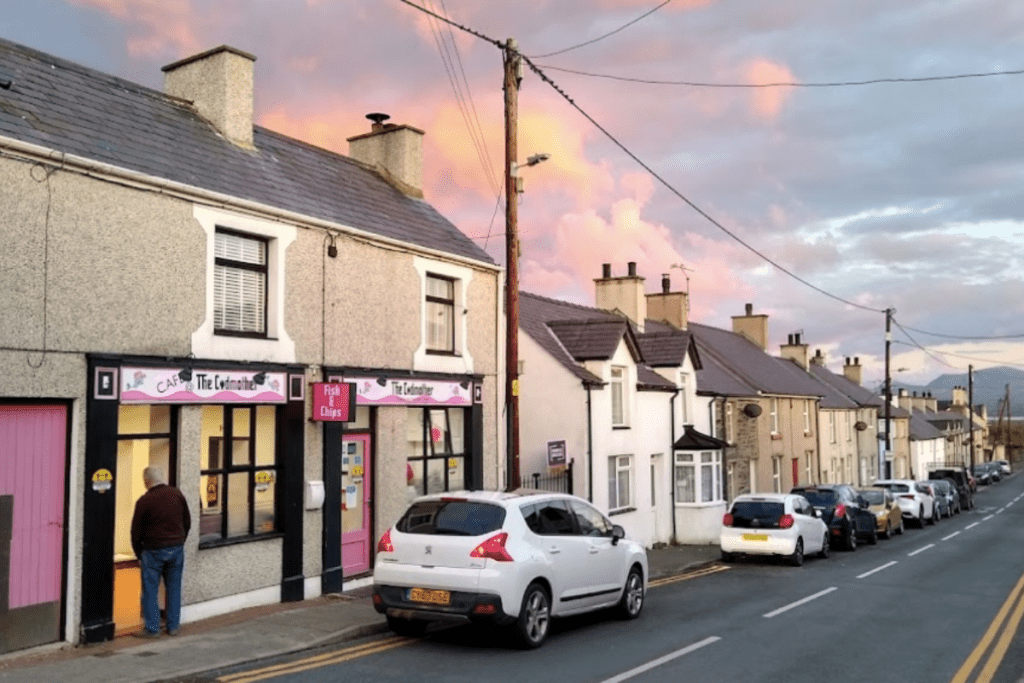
(844, 511)
(982, 474)
(961, 480)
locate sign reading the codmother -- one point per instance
(334, 401)
(159, 385)
(384, 391)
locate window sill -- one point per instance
(449, 354)
(221, 542)
(621, 511)
(807, 433)
(620, 426)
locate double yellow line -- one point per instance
(317, 661)
(713, 569)
(1008, 629)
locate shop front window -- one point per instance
(238, 484)
(437, 437)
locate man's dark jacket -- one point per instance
(161, 519)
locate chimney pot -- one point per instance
(750, 309)
(856, 360)
(632, 268)
(666, 283)
(606, 270)
(847, 360)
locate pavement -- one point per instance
(249, 635)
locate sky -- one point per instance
(903, 195)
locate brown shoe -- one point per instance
(172, 633)
(146, 634)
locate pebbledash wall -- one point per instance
(108, 290)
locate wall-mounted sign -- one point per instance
(166, 385)
(556, 453)
(334, 402)
(382, 391)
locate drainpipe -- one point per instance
(672, 461)
(590, 449)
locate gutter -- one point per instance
(671, 460)
(140, 181)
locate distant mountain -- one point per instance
(989, 388)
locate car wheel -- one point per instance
(851, 539)
(899, 529)
(797, 558)
(534, 617)
(873, 538)
(887, 531)
(933, 518)
(728, 557)
(825, 547)
(632, 595)
(410, 628)
(920, 518)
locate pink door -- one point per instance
(355, 504)
(33, 453)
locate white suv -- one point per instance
(515, 558)
(914, 500)
(773, 524)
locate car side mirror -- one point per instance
(618, 533)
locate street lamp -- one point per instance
(513, 187)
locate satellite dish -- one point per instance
(751, 410)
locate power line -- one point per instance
(544, 77)
(936, 358)
(610, 33)
(782, 84)
(954, 336)
(957, 355)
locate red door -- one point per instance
(355, 504)
(796, 472)
(33, 452)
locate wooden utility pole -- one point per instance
(513, 68)
(887, 451)
(970, 411)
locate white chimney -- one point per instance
(219, 83)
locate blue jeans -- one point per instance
(167, 563)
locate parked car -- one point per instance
(995, 471)
(773, 524)
(982, 474)
(1004, 466)
(843, 513)
(948, 487)
(916, 503)
(940, 500)
(961, 479)
(517, 558)
(888, 515)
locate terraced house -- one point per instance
(179, 284)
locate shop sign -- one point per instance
(165, 385)
(381, 391)
(334, 402)
(556, 453)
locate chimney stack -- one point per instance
(219, 83)
(393, 151)
(622, 294)
(668, 306)
(795, 351)
(753, 327)
(818, 358)
(852, 371)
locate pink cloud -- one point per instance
(768, 101)
(158, 26)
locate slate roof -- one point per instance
(592, 339)
(692, 440)
(861, 395)
(534, 314)
(921, 429)
(715, 379)
(832, 397)
(649, 380)
(751, 364)
(78, 111)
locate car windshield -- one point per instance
(451, 517)
(897, 488)
(821, 498)
(873, 497)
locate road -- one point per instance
(941, 603)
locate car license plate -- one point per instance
(755, 537)
(430, 597)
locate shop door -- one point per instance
(144, 439)
(355, 504)
(33, 453)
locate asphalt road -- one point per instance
(941, 603)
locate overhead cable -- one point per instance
(610, 33)
(970, 338)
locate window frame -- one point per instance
(615, 469)
(447, 452)
(227, 467)
(695, 463)
(807, 417)
(777, 474)
(449, 304)
(684, 403)
(263, 269)
(618, 395)
(729, 435)
(833, 434)
(773, 412)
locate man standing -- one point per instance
(159, 527)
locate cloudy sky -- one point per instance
(905, 195)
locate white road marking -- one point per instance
(921, 550)
(661, 660)
(988, 518)
(791, 605)
(971, 526)
(877, 569)
(1011, 503)
(1000, 510)
(955, 533)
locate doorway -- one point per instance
(356, 486)
(144, 438)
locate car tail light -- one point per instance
(384, 544)
(840, 511)
(727, 519)
(785, 521)
(908, 496)
(493, 548)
